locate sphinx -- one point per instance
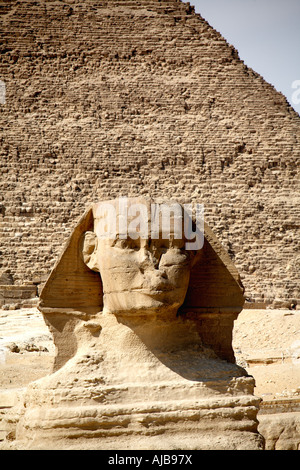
(143, 335)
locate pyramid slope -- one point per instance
(143, 97)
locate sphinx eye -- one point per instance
(126, 243)
(120, 243)
(180, 244)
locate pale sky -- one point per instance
(266, 34)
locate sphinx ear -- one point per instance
(89, 247)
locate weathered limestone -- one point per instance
(281, 431)
(144, 356)
(11, 295)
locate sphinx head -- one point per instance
(144, 268)
(139, 271)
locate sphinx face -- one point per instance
(139, 276)
(140, 273)
(143, 276)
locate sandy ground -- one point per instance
(26, 349)
(266, 344)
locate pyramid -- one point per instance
(112, 98)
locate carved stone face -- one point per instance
(140, 275)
